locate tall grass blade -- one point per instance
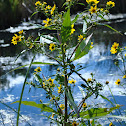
(19, 106)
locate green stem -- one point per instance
(65, 83)
(113, 98)
(19, 106)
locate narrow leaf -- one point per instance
(112, 28)
(71, 100)
(97, 112)
(75, 19)
(43, 107)
(83, 48)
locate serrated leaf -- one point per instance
(83, 48)
(43, 107)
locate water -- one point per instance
(99, 61)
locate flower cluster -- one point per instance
(110, 4)
(47, 9)
(95, 9)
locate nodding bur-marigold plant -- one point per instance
(60, 48)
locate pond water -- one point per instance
(98, 61)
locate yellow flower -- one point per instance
(44, 2)
(59, 91)
(110, 4)
(47, 22)
(53, 8)
(52, 46)
(125, 54)
(38, 3)
(72, 29)
(84, 105)
(62, 106)
(43, 85)
(91, 121)
(50, 80)
(58, 69)
(117, 82)
(113, 50)
(93, 9)
(38, 69)
(72, 81)
(110, 124)
(89, 80)
(48, 7)
(20, 32)
(115, 45)
(16, 39)
(91, 45)
(75, 123)
(53, 115)
(124, 76)
(80, 37)
(92, 2)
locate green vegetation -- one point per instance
(59, 87)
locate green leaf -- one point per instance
(103, 18)
(34, 63)
(106, 99)
(75, 19)
(71, 100)
(96, 112)
(38, 78)
(82, 91)
(43, 107)
(21, 53)
(112, 28)
(34, 13)
(67, 21)
(47, 39)
(83, 48)
(40, 63)
(81, 4)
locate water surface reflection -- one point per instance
(99, 61)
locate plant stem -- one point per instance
(65, 83)
(19, 106)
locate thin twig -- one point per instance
(53, 59)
